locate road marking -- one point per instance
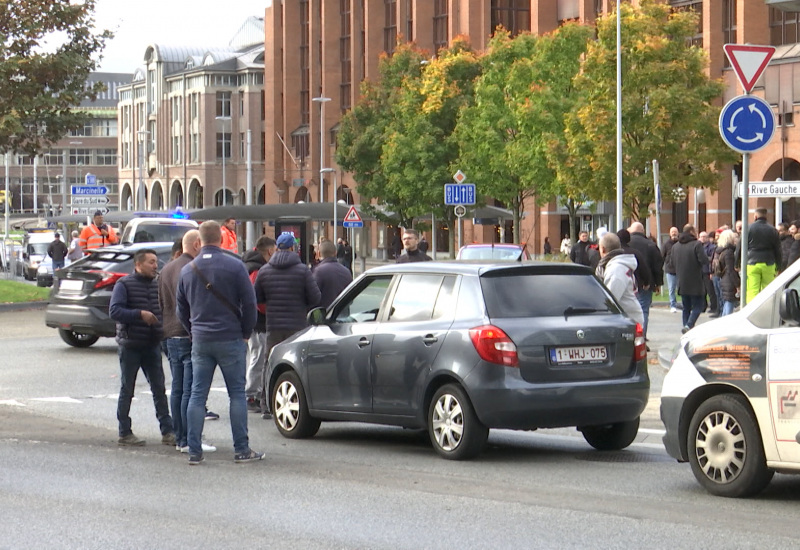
(12, 403)
(652, 431)
(57, 399)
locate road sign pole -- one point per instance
(745, 227)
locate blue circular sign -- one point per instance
(747, 123)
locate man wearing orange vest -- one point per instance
(97, 234)
(229, 236)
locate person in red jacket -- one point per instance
(229, 236)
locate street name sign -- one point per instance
(88, 211)
(89, 190)
(459, 193)
(747, 123)
(352, 218)
(89, 200)
(771, 189)
(748, 62)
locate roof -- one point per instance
(483, 268)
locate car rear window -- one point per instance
(491, 253)
(114, 261)
(511, 295)
(159, 233)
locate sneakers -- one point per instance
(168, 439)
(130, 440)
(207, 448)
(249, 456)
(253, 405)
(684, 330)
(673, 310)
(266, 415)
(194, 460)
(210, 415)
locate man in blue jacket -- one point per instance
(134, 306)
(217, 307)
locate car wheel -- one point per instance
(611, 437)
(725, 448)
(77, 339)
(40, 282)
(453, 427)
(290, 408)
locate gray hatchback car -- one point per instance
(457, 349)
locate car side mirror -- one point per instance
(316, 316)
(790, 307)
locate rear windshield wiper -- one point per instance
(580, 311)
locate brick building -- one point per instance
(325, 48)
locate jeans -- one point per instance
(645, 298)
(179, 353)
(230, 355)
(758, 276)
(672, 285)
(257, 364)
(728, 307)
(692, 307)
(717, 282)
(147, 358)
(58, 264)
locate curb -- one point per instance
(23, 306)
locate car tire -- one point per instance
(77, 339)
(40, 282)
(611, 437)
(454, 429)
(725, 448)
(290, 408)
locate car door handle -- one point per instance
(430, 339)
(363, 343)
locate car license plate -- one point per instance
(70, 284)
(576, 355)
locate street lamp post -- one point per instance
(224, 154)
(322, 101)
(142, 134)
(333, 193)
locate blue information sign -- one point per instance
(459, 193)
(89, 190)
(91, 179)
(352, 224)
(747, 123)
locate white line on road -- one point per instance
(57, 399)
(11, 402)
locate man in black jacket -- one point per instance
(669, 268)
(257, 345)
(653, 262)
(689, 257)
(331, 276)
(134, 306)
(579, 253)
(57, 250)
(763, 254)
(413, 252)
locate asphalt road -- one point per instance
(65, 483)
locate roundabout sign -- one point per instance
(747, 123)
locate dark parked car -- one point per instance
(458, 349)
(81, 292)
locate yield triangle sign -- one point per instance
(748, 62)
(352, 215)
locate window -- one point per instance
(107, 157)
(126, 154)
(305, 63)
(52, 157)
(80, 156)
(440, 17)
(513, 15)
(416, 296)
(25, 160)
(365, 305)
(697, 7)
(784, 27)
(263, 105)
(389, 26)
(300, 146)
(195, 147)
(106, 127)
(194, 103)
(728, 25)
(176, 149)
(84, 131)
(224, 104)
(223, 145)
(242, 145)
(345, 57)
(241, 103)
(263, 146)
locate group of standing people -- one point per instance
(95, 235)
(213, 309)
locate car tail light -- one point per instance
(107, 278)
(494, 346)
(639, 344)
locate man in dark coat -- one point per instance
(331, 276)
(763, 254)
(711, 295)
(57, 250)
(669, 268)
(653, 262)
(257, 345)
(579, 253)
(689, 258)
(413, 252)
(134, 306)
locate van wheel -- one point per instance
(77, 339)
(611, 437)
(290, 408)
(725, 448)
(453, 426)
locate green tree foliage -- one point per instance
(512, 136)
(667, 109)
(47, 50)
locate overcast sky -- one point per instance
(168, 22)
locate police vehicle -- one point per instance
(731, 399)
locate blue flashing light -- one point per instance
(179, 214)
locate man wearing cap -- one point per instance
(57, 250)
(97, 234)
(288, 290)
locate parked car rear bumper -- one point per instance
(507, 401)
(82, 319)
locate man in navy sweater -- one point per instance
(216, 305)
(134, 306)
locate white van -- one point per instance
(731, 399)
(34, 251)
(156, 230)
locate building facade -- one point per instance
(42, 185)
(326, 48)
(188, 123)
